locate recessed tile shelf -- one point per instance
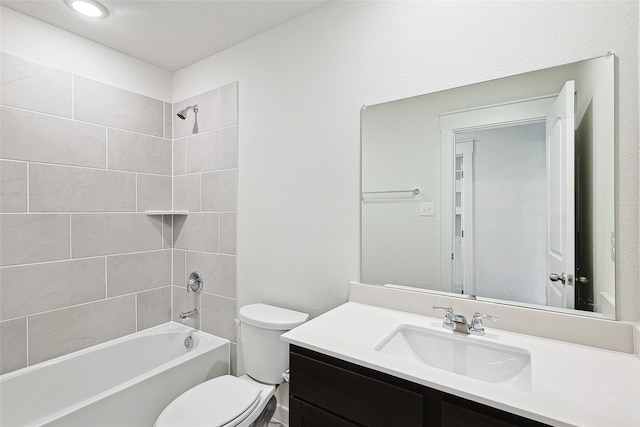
(166, 212)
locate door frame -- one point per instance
(518, 112)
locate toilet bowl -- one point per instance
(247, 400)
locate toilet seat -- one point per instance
(223, 401)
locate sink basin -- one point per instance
(461, 354)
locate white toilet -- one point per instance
(247, 400)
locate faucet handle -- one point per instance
(195, 282)
(478, 316)
(476, 322)
(447, 309)
(449, 316)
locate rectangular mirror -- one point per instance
(501, 190)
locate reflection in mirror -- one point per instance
(502, 190)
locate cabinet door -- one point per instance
(304, 415)
(360, 398)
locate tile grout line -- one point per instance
(95, 301)
(135, 197)
(43, 113)
(70, 238)
(106, 277)
(28, 189)
(106, 149)
(105, 169)
(26, 322)
(173, 181)
(135, 310)
(84, 258)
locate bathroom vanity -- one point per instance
(326, 391)
(361, 364)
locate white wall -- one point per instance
(37, 41)
(398, 244)
(301, 88)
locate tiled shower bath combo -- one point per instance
(81, 262)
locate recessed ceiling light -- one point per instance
(89, 8)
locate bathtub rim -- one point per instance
(215, 341)
(170, 326)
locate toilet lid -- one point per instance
(222, 401)
(269, 317)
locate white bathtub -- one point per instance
(124, 382)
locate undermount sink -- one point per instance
(461, 354)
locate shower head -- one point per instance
(183, 113)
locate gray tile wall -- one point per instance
(205, 169)
(80, 162)
(80, 262)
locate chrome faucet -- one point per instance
(458, 323)
(193, 314)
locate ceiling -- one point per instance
(170, 34)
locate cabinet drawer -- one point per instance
(304, 415)
(458, 416)
(460, 413)
(354, 396)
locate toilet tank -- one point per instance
(264, 354)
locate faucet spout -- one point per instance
(458, 323)
(193, 314)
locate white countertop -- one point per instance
(572, 385)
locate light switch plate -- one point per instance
(426, 209)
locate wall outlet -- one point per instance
(426, 209)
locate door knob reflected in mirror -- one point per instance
(564, 278)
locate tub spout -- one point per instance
(193, 314)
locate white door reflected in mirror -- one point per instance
(561, 205)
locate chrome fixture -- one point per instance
(90, 8)
(187, 315)
(183, 115)
(564, 278)
(195, 282)
(188, 342)
(414, 191)
(458, 323)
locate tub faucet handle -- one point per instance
(195, 282)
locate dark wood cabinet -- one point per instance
(303, 414)
(328, 392)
